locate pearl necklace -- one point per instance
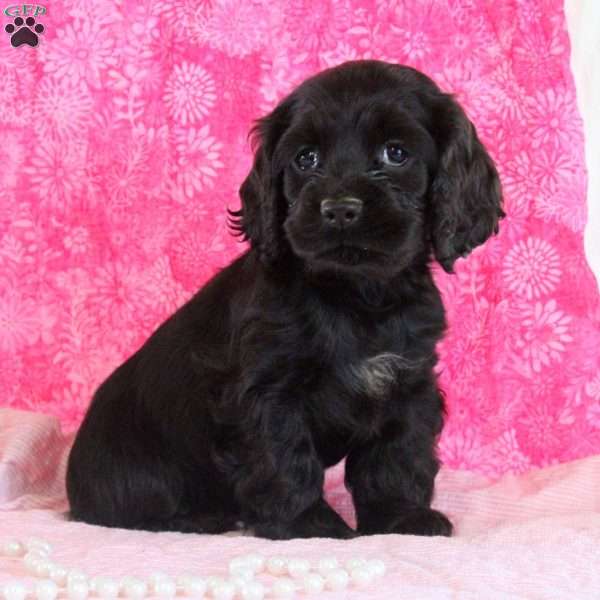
(295, 575)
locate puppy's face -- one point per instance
(355, 179)
(367, 169)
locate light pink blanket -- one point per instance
(123, 141)
(535, 536)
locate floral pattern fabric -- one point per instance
(123, 139)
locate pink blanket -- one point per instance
(123, 140)
(533, 536)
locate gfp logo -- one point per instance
(24, 10)
(24, 31)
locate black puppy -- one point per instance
(316, 344)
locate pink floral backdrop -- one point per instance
(123, 140)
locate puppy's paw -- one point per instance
(288, 531)
(422, 521)
(319, 520)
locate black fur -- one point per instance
(316, 344)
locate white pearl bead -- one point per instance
(298, 567)
(326, 564)
(240, 583)
(256, 562)
(246, 572)
(377, 567)
(212, 582)
(284, 588)
(182, 579)
(276, 565)
(31, 560)
(105, 587)
(223, 591)
(361, 577)
(313, 583)
(155, 577)
(59, 574)
(46, 589)
(194, 586)
(134, 588)
(336, 579)
(254, 590)
(12, 548)
(42, 568)
(354, 563)
(76, 575)
(165, 588)
(93, 583)
(239, 562)
(38, 545)
(77, 589)
(14, 590)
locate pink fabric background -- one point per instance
(123, 140)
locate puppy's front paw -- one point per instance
(288, 531)
(422, 521)
(319, 520)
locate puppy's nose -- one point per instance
(341, 213)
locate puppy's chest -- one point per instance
(366, 360)
(352, 402)
(358, 375)
(372, 376)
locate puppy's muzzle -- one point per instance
(341, 213)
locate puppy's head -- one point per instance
(366, 169)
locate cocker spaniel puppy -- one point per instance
(318, 343)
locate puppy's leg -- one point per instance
(391, 477)
(278, 481)
(129, 485)
(124, 474)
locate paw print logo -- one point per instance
(24, 34)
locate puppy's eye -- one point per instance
(307, 159)
(394, 154)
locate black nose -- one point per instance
(341, 213)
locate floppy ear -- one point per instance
(465, 198)
(261, 216)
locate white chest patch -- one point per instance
(376, 374)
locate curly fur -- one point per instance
(315, 345)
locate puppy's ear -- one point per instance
(261, 216)
(465, 199)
